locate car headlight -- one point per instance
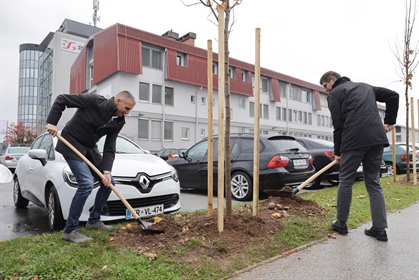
(70, 179)
(174, 174)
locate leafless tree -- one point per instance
(228, 6)
(406, 54)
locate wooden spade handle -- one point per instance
(100, 175)
(317, 174)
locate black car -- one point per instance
(283, 161)
(322, 152)
(164, 153)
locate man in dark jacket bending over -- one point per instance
(359, 136)
(95, 117)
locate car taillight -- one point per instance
(278, 161)
(8, 158)
(330, 154)
(311, 160)
(403, 157)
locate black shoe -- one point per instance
(379, 234)
(340, 227)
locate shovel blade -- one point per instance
(147, 225)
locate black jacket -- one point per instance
(93, 119)
(355, 117)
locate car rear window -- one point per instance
(18, 150)
(284, 145)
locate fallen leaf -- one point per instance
(129, 226)
(152, 256)
(104, 267)
(361, 196)
(157, 220)
(276, 215)
(111, 239)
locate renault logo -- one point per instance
(144, 182)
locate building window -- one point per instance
(318, 120)
(310, 121)
(144, 92)
(181, 59)
(296, 93)
(185, 133)
(265, 111)
(152, 57)
(202, 132)
(251, 109)
(284, 114)
(245, 76)
(290, 115)
(242, 104)
(169, 96)
(143, 129)
(305, 118)
(215, 68)
(278, 113)
(264, 84)
(156, 94)
(168, 131)
(90, 74)
(283, 89)
(300, 116)
(193, 99)
(155, 130)
(232, 72)
(294, 116)
(203, 100)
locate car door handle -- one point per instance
(31, 169)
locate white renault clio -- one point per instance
(148, 183)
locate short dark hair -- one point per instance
(328, 75)
(126, 95)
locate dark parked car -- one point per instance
(322, 152)
(401, 159)
(283, 161)
(164, 153)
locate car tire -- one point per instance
(317, 185)
(18, 199)
(55, 215)
(241, 186)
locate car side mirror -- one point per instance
(38, 154)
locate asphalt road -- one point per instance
(34, 220)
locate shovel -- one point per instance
(288, 191)
(317, 174)
(144, 225)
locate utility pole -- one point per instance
(95, 9)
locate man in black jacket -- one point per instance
(359, 136)
(95, 117)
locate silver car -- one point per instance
(148, 183)
(11, 157)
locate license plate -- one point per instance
(145, 211)
(299, 163)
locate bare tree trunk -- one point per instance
(228, 115)
(407, 134)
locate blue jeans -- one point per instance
(85, 180)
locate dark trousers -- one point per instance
(371, 158)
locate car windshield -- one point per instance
(18, 150)
(123, 146)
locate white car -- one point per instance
(148, 183)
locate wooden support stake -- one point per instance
(256, 145)
(221, 133)
(414, 155)
(210, 178)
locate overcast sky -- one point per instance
(299, 38)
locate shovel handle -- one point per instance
(314, 176)
(101, 176)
